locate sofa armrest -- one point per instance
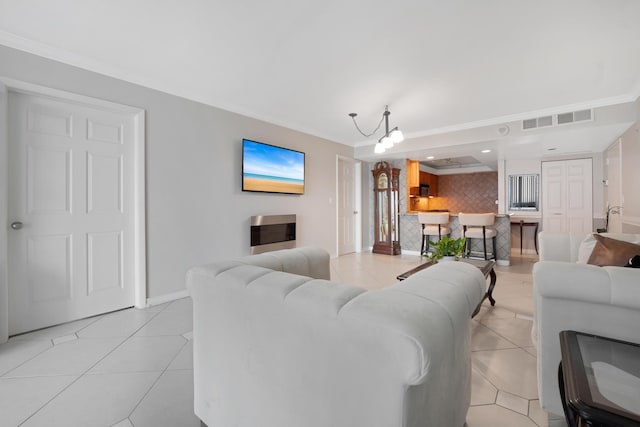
(569, 296)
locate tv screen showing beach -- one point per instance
(270, 169)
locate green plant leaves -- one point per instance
(448, 247)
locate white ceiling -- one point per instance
(452, 72)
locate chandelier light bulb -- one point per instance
(386, 142)
(396, 136)
(379, 148)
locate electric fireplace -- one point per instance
(272, 232)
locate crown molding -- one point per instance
(86, 63)
(80, 61)
(501, 120)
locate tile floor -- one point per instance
(134, 367)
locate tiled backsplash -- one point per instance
(469, 192)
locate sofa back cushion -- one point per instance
(574, 247)
(560, 246)
(305, 261)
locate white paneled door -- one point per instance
(567, 196)
(347, 212)
(70, 211)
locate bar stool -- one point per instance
(474, 226)
(433, 224)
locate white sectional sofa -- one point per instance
(276, 344)
(575, 296)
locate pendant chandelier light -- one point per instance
(390, 137)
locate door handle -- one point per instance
(355, 212)
(16, 225)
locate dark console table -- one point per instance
(599, 380)
(485, 266)
(522, 224)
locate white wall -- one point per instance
(196, 211)
(629, 146)
(631, 174)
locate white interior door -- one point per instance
(70, 209)
(579, 196)
(554, 195)
(347, 212)
(567, 196)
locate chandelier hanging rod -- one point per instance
(389, 138)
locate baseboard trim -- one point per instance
(631, 220)
(410, 252)
(167, 298)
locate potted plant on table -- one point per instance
(448, 248)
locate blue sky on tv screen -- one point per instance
(267, 160)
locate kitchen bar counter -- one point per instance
(411, 237)
(428, 210)
(454, 214)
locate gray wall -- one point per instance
(196, 211)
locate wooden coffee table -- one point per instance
(485, 266)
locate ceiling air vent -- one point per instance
(560, 119)
(529, 124)
(545, 121)
(565, 118)
(575, 116)
(537, 122)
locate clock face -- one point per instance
(383, 181)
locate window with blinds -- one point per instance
(524, 192)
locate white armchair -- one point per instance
(575, 296)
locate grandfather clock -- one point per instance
(386, 221)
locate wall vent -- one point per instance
(529, 124)
(545, 121)
(537, 122)
(560, 119)
(575, 116)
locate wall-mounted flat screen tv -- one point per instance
(270, 169)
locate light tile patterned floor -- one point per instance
(128, 368)
(134, 368)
